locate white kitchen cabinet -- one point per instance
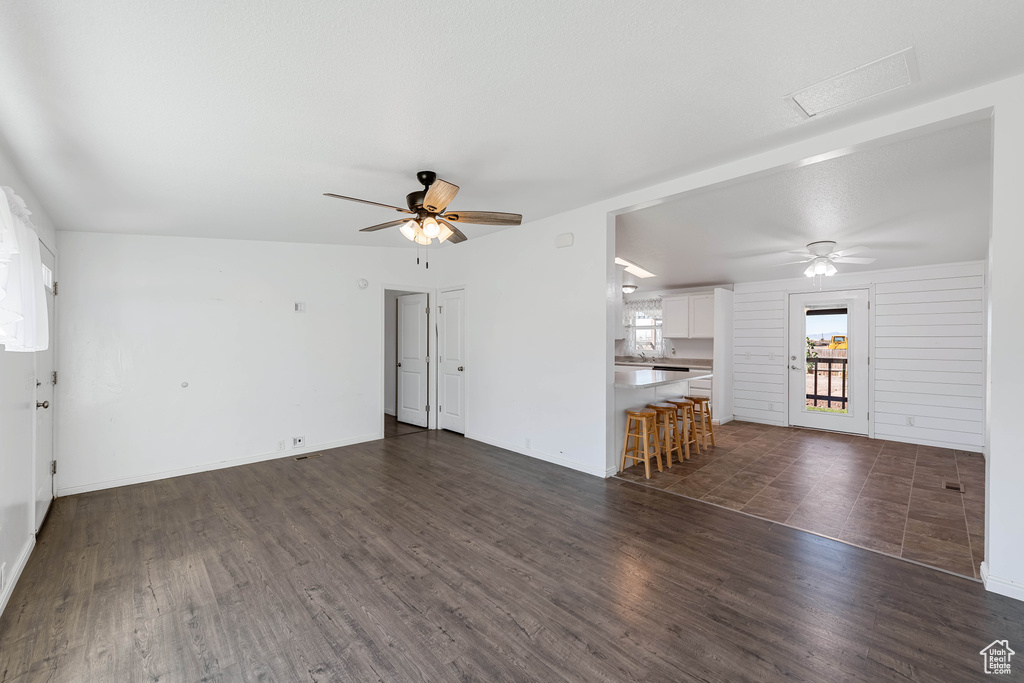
(675, 317)
(702, 316)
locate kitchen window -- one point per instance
(643, 327)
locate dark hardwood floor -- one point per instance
(434, 557)
(393, 428)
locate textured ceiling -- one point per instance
(230, 118)
(922, 200)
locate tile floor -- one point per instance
(881, 495)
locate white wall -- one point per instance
(1004, 538)
(142, 315)
(927, 335)
(17, 419)
(538, 348)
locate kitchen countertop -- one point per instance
(664, 362)
(642, 378)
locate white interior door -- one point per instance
(451, 399)
(413, 359)
(44, 405)
(828, 385)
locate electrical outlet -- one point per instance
(298, 441)
(300, 306)
(280, 445)
(910, 421)
(528, 443)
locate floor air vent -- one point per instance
(307, 457)
(953, 486)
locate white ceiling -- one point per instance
(921, 200)
(230, 118)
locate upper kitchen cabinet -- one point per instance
(675, 317)
(688, 316)
(702, 316)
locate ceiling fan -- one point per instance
(428, 218)
(822, 255)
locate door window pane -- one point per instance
(827, 378)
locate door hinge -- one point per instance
(869, 305)
(428, 359)
(440, 308)
(55, 378)
(427, 408)
(427, 310)
(53, 467)
(55, 288)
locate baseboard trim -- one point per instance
(389, 411)
(208, 467)
(15, 573)
(1010, 589)
(553, 459)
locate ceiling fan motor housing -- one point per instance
(426, 178)
(415, 199)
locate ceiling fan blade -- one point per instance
(457, 235)
(853, 259)
(789, 263)
(485, 217)
(389, 224)
(851, 251)
(366, 201)
(439, 195)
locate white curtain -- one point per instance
(642, 309)
(23, 319)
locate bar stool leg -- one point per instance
(647, 451)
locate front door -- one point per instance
(412, 359)
(828, 361)
(43, 467)
(452, 361)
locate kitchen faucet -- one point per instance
(643, 357)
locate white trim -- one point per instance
(15, 573)
(553, 459)
(1010, 589)
(389, 411)
(209, 467)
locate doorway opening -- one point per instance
(406, 353)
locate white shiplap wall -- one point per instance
(928, 327)
(930, 361)
(759, 361)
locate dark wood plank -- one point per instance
(433, 557)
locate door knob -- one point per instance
(794, 367)
(399, 365)
(460, 368)
(44, 404)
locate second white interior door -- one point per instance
(413, 361)
(451, 369)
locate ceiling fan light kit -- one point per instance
(427, 207)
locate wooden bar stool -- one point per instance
(666, 425)
(707, 427)
(687, 421)
(640, 424)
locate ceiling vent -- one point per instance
(870, 80)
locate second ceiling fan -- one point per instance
(428, 218)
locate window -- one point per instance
(643, 327)
(647, 333)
